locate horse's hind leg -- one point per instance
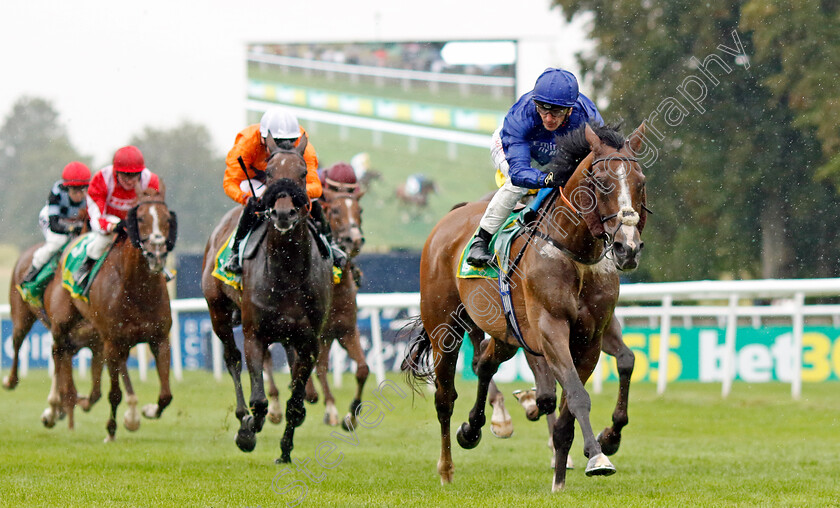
(275, 412)
(496, 352)
(307, 351)
(96, 364)
(22, 321)
(612, 344)
(50, 414)
(161, 351)
(351, 343)
(501, 425)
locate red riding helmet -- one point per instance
(76, 174)
(341, 172)
(128, 159)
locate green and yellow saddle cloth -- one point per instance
(33, 292)
(500, 243)
(74, 256)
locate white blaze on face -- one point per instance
(624, 200)
(156, 236)
(348, 202)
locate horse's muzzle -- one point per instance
(627, 248)
(285, 220)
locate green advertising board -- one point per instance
(696, 354)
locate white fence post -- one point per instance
(216, 351)
(598, 376)
(142, 361)
(376, 344)
(729, 345)
(798, 328)
(664, 348)
(175, 346)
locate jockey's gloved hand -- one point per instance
(551, 180)
(76, 230)
(112, 227)
(255, 204)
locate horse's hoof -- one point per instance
(246, 440)
(312, 399)
(61, 414)
(283, 459)
(84, 403)
(131, 422)
(466, 443)
(109, 439)
(150, 411)
(275, 418)
(502, 430)
(48, 419)
(349, 422)
(557, 486)
(599, 465)
(609, 441)
(8, 384)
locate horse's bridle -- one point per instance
(133, 230)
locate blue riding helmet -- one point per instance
(556, 86)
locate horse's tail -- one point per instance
(417, 362)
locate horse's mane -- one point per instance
(572, 148)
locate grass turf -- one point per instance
(688, 447)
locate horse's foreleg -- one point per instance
(496, 352)
(162, 353)
(66, 389)
(131, 418)
(220, 316)
(501, 425)
(115, 360)
(351, 343)
(612, 344)
(275, 412)
(295, 409)
(254, 355)
(559, 358)
(50, 414)
(562, 435)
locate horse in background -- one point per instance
(285, 296)
(563, 293)
(415, 191)
(340, 200)
(128, 303)
(82, 334)
(365, 176)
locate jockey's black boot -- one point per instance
(338, 255)
(30, 275)
(479, 254)
(83, 272)
(247, 221)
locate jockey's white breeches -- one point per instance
(508, 194)
(53, 242)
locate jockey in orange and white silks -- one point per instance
(112, 193)
(59, 219)
(527, 138)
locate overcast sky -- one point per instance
(112, 68)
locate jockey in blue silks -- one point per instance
(526, 139)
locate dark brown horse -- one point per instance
(564, 291)
(341, 205)
(285, 296)
(81, 335)
(128, 304)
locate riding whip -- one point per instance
(242, 165)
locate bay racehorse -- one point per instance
(127, 304)
(564, 290)
(285, 296)
(81, 335)
(341, 206)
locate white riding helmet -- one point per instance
(280, 123)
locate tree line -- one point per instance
(746, 177)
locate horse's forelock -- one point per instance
(573, 147)
(287, 186)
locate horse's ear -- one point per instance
(359, 191)
(304, 140)
(173, 231)
(270, 144)
(592, 138)
(636, 138)
(131, 227)
(642, 213)
(327, 195)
